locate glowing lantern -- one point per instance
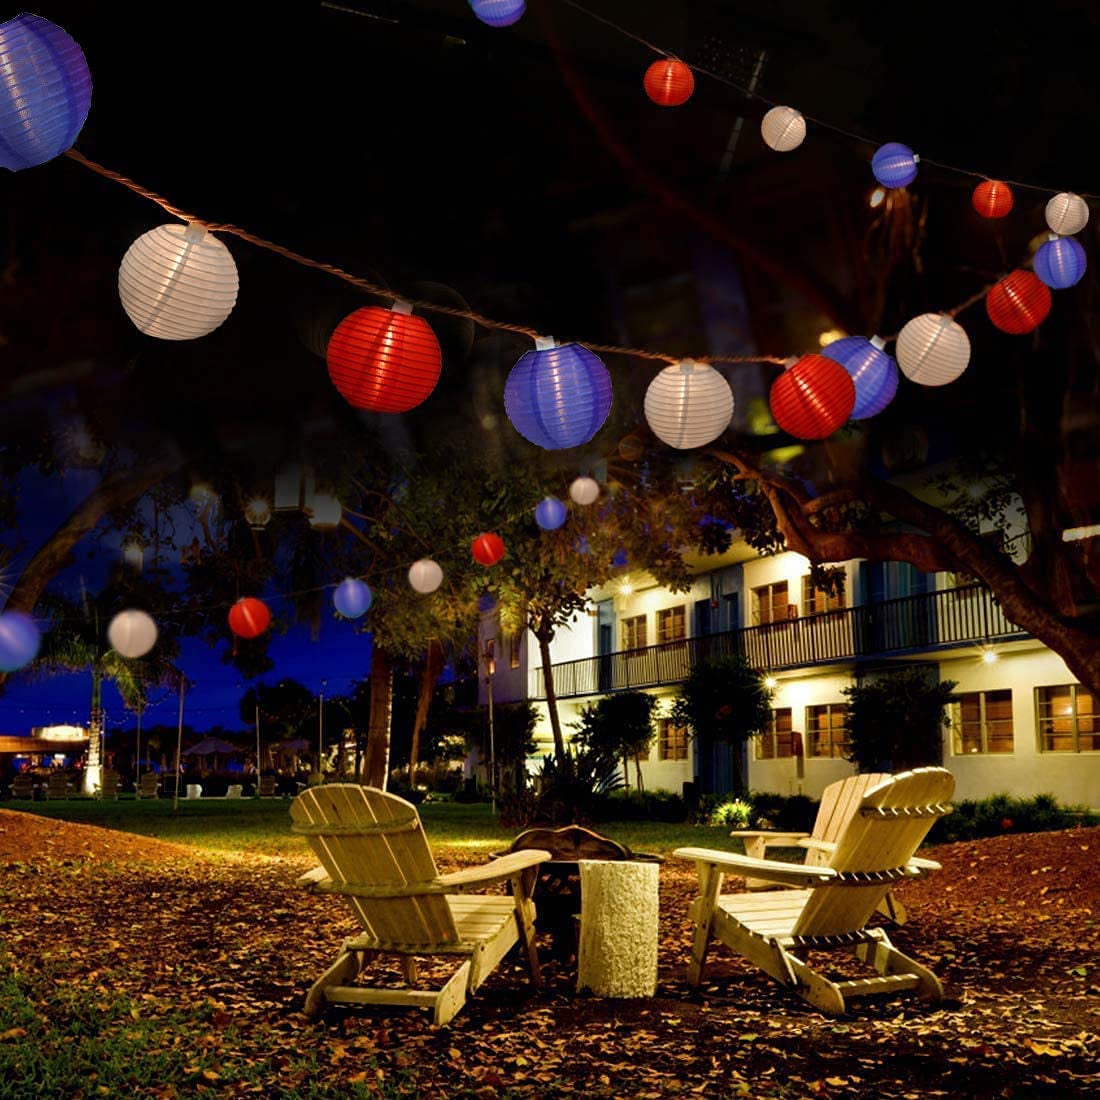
(894, 164)
(19, 640)
(45, 91)
(783, 129)
(487, 548)
(688, 404)
(352, 598)
(585, 490)
(425, 575)
(249, 617)
(258, 513)
(932, 349)
(1019, 303)
(1067, 213)
(992, 198)
(132, 634)
(550, 513)
(1060, 262)
(812, 397)
(384, 360)
(177, 282)
(669, 82)
(558, 397)
(874, 373)
(498, 13)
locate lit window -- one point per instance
(776, 741)
(815, 600)
(771, 602)
(1067, 719)
(827, 730)
(634, 633)
(982, 723)
(672, 740)
(671, 624)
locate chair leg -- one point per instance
(411, 970)
(525, 921)
(452, 996)
(892, 909)
(815, 988)
(710, 882)
(887, 959)
(345, 969)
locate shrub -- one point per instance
(734, 815)
(1003, 813)
(656, 805)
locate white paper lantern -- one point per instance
(932, 349)
(1067, 214)
(783, 129)
(688, 404)
(177, 282)
(585, 490)
(425, 575)
(132, 633)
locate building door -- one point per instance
(605, 642)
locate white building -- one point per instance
(1022, 725)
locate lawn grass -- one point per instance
(263, 825)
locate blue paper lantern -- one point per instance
(352, 598)
(558, 397)
(894, 164)
(550, 513)
(1060, 262)
(45, 91)
(19, 640)
(619, 558)
(498, 13)
(874, 373)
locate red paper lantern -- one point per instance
(249, 617)
(813, 397)
(384, 360)
(487, 548)
(992, 198)
(1019, 303)
(669, 82)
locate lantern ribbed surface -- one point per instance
(1060, 263)
(669, 82)
(19, 640)
(352, 598)
(932, 349)
(384, 360)
(812, 397)
(487, 548)
(558, 397)
(550, 513)
(894, 164)
(992, 198)
(1019, 303)
(177, 282)
(498, 13)
(874, 373)
(425, 575)
(688, 405)
(45, 91)
(783, 129)
(249, 617)
(1067, 213)
(584, 490)
(132, 633)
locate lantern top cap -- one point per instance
(194, 232)
(401, 306)
(690, 366)
(877, 342)
(545, 343)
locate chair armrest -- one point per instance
(925, 865)
(769, 836)
(817, 845)
(506, 867)
(312, 878)
(792, 874)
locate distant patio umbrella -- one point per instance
(211, 745)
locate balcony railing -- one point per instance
(936, 620)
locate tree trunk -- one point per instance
(378, 729)
(640, 782)
(626, 772)
(544, 637)
(433, 666)
(93, 765)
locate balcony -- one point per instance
(937, 620)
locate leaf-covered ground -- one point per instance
(131, 966)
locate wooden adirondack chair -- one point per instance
(57, 786)
(147, 785)
(839, 801)
(22, 786)
(265, 786)
(108, 787)
(373, 851)
(830, 909)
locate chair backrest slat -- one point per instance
(839, 801)
(376, 857)
(875, 842)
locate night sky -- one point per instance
(409, 144)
